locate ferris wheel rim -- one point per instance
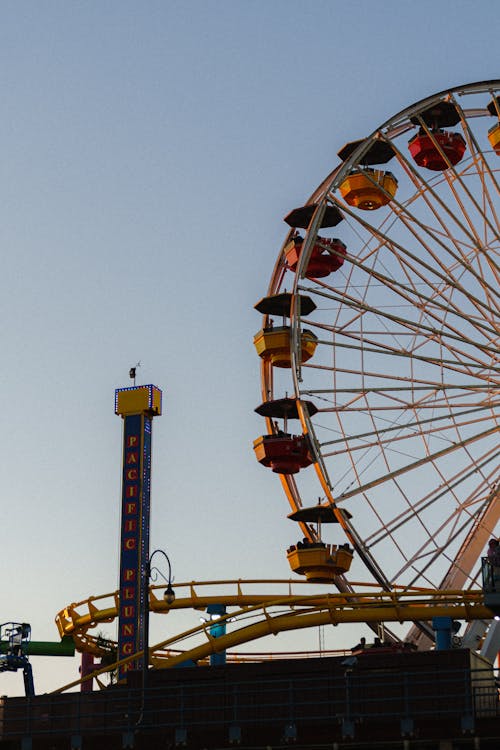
(341, 169)
(321, 196)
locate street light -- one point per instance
(169, 593)
(152, 573)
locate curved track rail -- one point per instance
(256, 615)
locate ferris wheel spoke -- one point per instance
(484, 173)
(381, 437)
(349, 408)
(453, 175)
(419, 507)
(378, 313)
(414, 506)
(429, 551)
(495, 271)
(414, 296)
(430, 386)
(458, 530)
(461, 262)
(422, 334)
(482, 165)
(368, 344)
(423, 269)
(407, 326)
(471, 242)
(463, 368)
(431, 269)
(417, 464)
(442, 410)
(384, 377)
(430, 557)
(427, 190)
(411, 293)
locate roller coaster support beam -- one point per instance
(217, 629)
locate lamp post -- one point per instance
(152, 573)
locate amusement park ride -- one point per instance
(14, 637)
(379, 338)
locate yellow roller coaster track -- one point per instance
(256, 615)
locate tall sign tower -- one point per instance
(137, 406)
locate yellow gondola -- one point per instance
(317, 561)
(273, 344)
(320, 563)
(494, 137)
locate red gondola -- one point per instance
(327, 256)
(438, 150)
(284, 454)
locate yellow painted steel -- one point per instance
(367, 606)
(272, 615)
(325, 616)
(273, 344)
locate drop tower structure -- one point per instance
(137, 406)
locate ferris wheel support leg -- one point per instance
(443, 627)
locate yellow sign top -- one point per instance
(140, 399)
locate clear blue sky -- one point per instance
(149, 152)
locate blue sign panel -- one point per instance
(136, 483)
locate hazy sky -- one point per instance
(149, 153)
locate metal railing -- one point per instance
(325, 699)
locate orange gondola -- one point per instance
(368, 188)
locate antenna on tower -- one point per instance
(132, 370)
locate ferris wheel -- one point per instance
(380, 333)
